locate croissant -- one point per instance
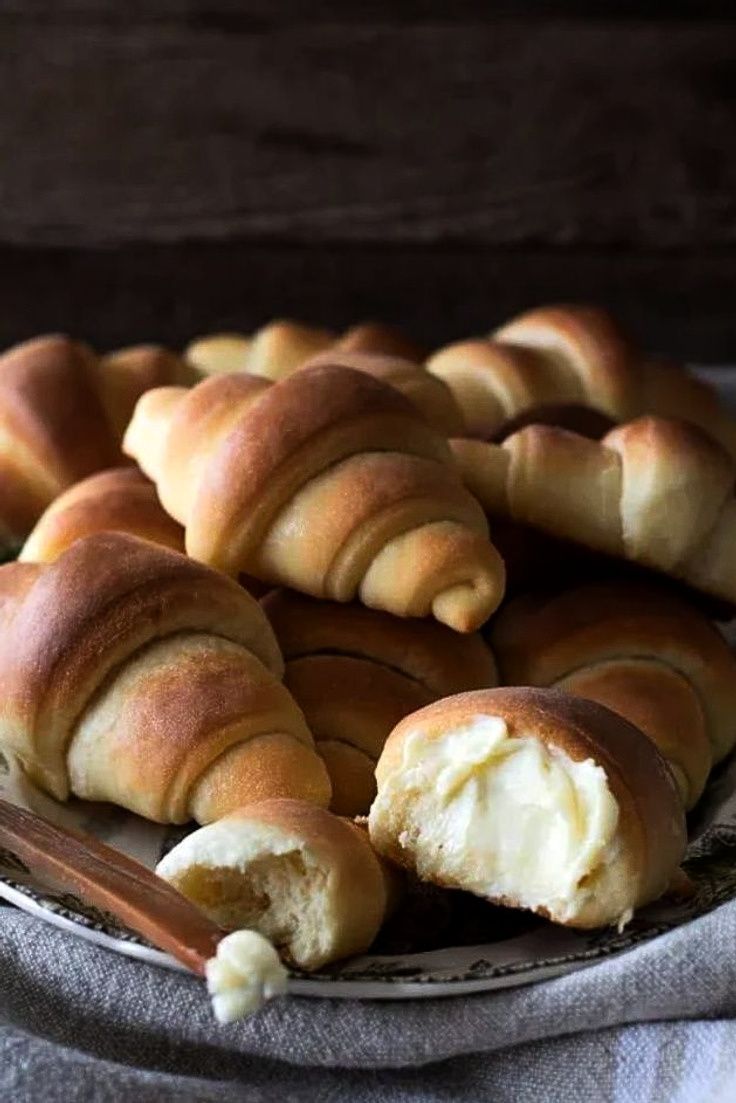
(356, 672)
(327, 482)
(128, 373)
(281, 347)
(652, 491)
(373, 337)
(533, 799)
(131, 674)
(307, 880)
(273, 351)
(428, 394)
(641, 651)
(119, 500)
(551, 363)
(61, 417)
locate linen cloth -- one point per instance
(81, 1023)
(656, 1024)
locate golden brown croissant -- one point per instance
(119, 500)
(62, 413)
(356, 672)
(131, 674)
(656, 492)
(533, 799)
(382, 340)
(278, 349)
(327, 482)
(641, 651)
(428, 394)
(128, 373)
(562, 358)
(306, 879)
(273, 351)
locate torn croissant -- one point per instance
(533, 799)
(309, 881)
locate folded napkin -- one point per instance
(82, 1023)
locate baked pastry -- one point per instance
(273, 351)
(119, 500)
(644, 653)
(128, 373)
(327, 482)
(355, 672)
(533, 799)
(656, 492)
(308, 880)
(428, 394)
(61, 417)
(279, 348)
(374, 337)
(131, 674)
(554, 362)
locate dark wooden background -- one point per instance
(175, 166)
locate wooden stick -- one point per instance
(108, 879)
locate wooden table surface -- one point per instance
(172, 167)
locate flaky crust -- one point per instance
(653, 491)
(119, 500)
(327, 482)
(651, 828)
(132, 674)
(355, 672)
(62, 414)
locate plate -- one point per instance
(518, 949)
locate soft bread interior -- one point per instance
(508, 818)
(260, 877)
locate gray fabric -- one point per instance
(83, 1023)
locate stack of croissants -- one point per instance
(369, 616)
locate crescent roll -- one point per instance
(374, 337)
(656, 492)
(278, 349)
(533, 799)
(307, 880)
(552, 363)
(62, 413)
(273, 351)
(356, 672)
(641, 651)
(131, 674)
(119, 500)
(428, 394)
(328, 482)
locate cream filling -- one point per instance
(244, 973)
(504, 817)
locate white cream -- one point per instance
(501, 816)
(245, 972)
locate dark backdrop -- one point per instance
(172, 167)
